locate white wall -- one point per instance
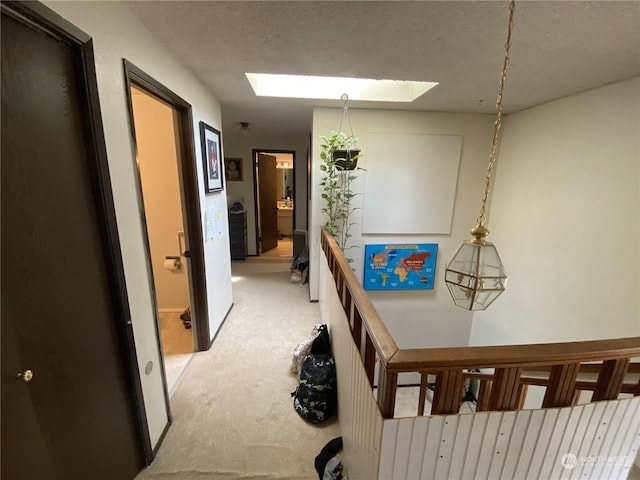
(116, 35)
(239, 146)
(421, 318)
(565, 218)
(158, 166)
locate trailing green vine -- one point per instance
(337, 187)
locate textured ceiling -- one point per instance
(558, 48)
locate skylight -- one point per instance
(302, 86)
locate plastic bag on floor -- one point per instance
(298, 277)
(303, 349)
(300, 267)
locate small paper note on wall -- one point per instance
(219, 223)
(209, 216)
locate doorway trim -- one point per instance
(256, 201)
(188, 179)
(47, 20)
(194, 243)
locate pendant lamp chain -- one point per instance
(475, 275)
(498, 123)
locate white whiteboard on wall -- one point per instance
(410, 184)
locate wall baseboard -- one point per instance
(221, 323)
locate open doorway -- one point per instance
(167, 186)
(275, 205)
(157, 159)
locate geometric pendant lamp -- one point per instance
(475, 275)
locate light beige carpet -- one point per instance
(233, 416)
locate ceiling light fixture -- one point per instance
(475, 275)
(305, 86)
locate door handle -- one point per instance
(25, 376)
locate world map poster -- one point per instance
(400, 267)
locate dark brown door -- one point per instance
(267, 186)
(75, 418)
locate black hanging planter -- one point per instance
(346, 159)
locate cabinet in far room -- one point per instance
(285, 222)
(238, 232)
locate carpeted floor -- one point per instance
(232, 412)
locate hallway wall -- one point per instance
(116, 35)
(565, 217)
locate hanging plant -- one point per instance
(337, 185)
(346, 159)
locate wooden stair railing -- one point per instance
(562, 368)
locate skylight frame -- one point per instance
(331, 88)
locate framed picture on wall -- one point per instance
(233, 169)
(211, 158)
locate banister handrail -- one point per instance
(503, 390)
(380, 336)
(521, 355)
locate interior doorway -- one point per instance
(157, 158)
(275, 203)
(162, 131)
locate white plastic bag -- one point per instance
(303, 349)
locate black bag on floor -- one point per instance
(316, 397)
(186, 318)
(322, 343)
(328, 466)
